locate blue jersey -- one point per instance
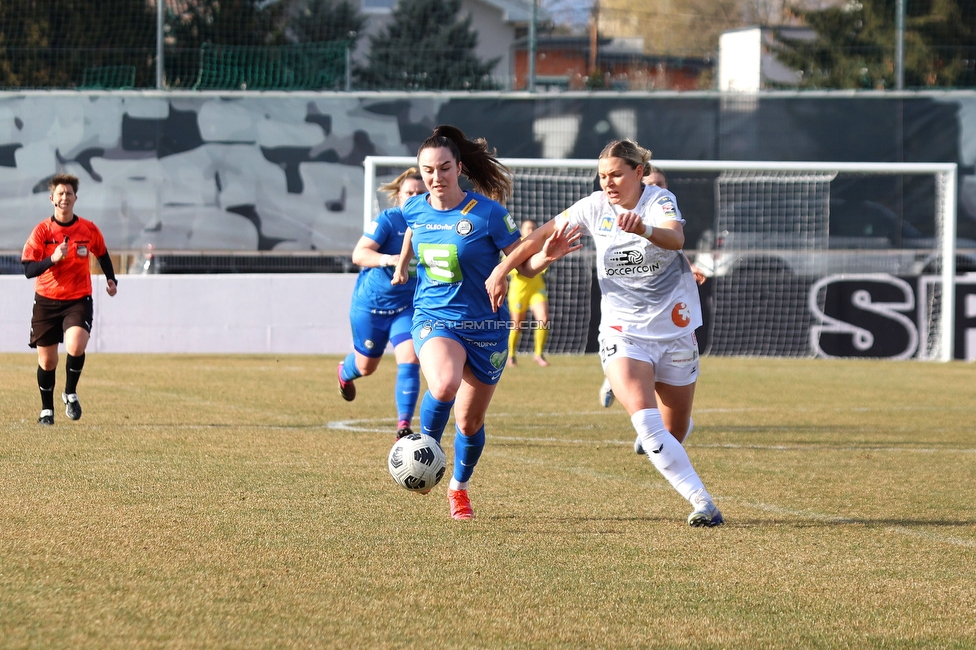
(456, 251)
(374, 289)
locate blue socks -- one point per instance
(467, 451)
(434, 415)
(407, 387)
(349, 369)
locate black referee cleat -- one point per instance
(72, 407)
(47, 417)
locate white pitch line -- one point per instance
(372, 426)
(763, 409)
(901, 530)
(932, 537)
(358, 426)
(829, 447)
(570, 441)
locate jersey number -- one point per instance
(441, 261)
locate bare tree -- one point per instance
(689, 27)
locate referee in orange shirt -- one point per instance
(57, 254)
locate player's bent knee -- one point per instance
(443, 392)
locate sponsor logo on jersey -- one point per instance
(371, 228)
(441, 262)
(464, 227)
(606, 224)
(629, 261)
(631, 256)
(469, 207)
(667, 206)
(510, 223)
(681, 314)
(439, 226)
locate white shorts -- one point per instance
(675, 362)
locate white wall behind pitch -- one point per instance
(304, 313)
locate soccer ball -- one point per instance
(417, 462)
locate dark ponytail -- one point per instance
(478, 162)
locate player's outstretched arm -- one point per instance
(563, 241)
(401, 272)
(515, 254)
(700, 276)
(532, 256)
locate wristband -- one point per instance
(386, 260)
(648, 232)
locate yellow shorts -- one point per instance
(524, 293)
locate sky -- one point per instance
(573, 12)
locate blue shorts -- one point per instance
(486, 352)
(371, 331)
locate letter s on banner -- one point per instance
(863, 339)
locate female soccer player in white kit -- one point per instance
(650, 310)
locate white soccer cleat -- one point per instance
(606, 395)
(705, 514)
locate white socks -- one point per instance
(667, 455)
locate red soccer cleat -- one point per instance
(460, 504)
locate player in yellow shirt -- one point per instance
(525, 295)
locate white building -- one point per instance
(747, 58)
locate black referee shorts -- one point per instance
(52, 317)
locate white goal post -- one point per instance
(785, 246)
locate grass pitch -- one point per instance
(238, 502)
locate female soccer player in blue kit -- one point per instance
(382, 312)
(457, 236)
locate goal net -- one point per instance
(801, 259)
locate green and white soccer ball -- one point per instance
(417, 462)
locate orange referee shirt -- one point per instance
(70, 278)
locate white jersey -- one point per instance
(648, 292)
